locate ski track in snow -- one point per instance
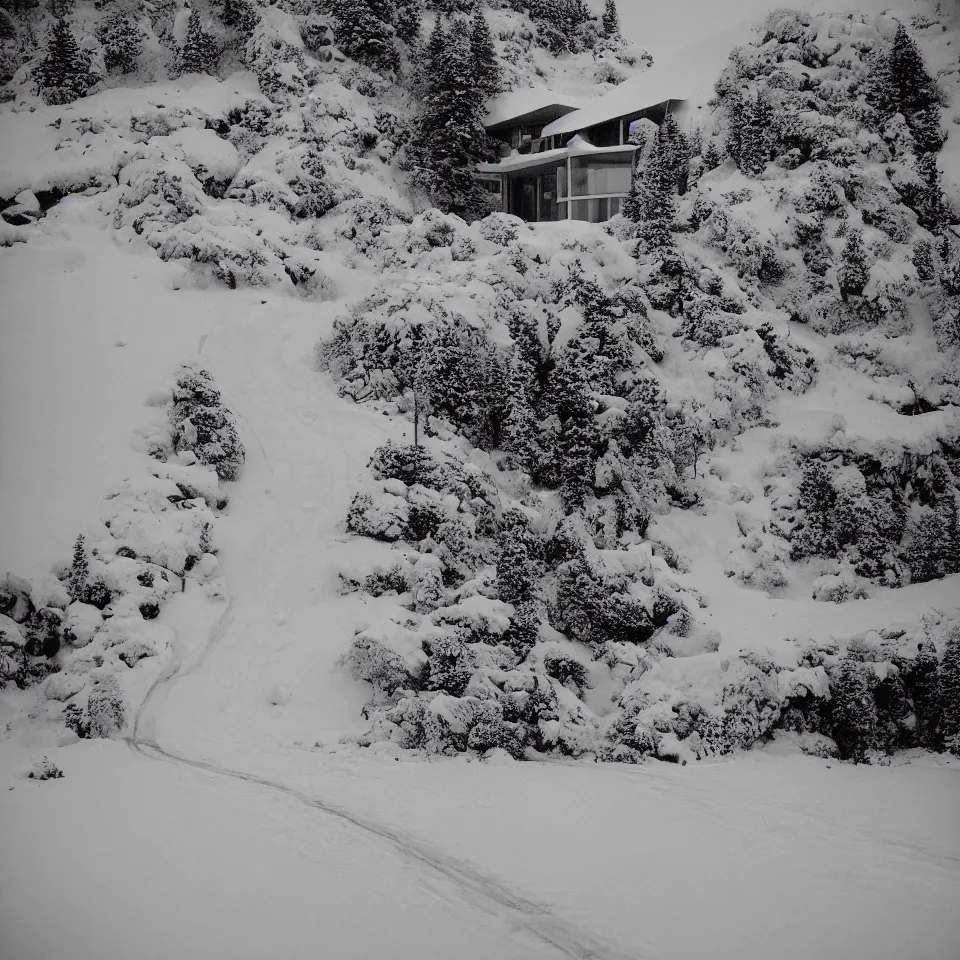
(482, 891)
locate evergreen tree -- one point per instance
(79, 575)
(517, 570)
(914, 90)
(199, 53)
(751, 142)
(814, 535)
(8, 26)
(922, 678)
(122, 42)
(520, 425)
(949, 692)
(450, 139)
(923, 261)
(928, 551)
(483, 56)
(852, 274)
(239, 15)
(650, 202)
(712, 157)
(63, 74)
(853, 711)
(406, 21)
(610, 22)
(364, 32)
(930, 205)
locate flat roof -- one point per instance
(530, 106)
(656, 85)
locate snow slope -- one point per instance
(479, 859)
(234, 824)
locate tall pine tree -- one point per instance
(483, 56)
(199, 53)
(610, 22)
(651, 202)
(63, 74)
(450, 139)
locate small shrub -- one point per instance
(45, 769)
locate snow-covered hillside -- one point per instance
(687, 496)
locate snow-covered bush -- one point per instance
(45, 769)
(203, 425)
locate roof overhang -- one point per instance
(528, 107)
(526, 161)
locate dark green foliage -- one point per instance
(922, 678)
(923, 261)
(593, 611)
(75, 720)
(240, 15)
(651, 202)
(76, 582)
(901, 83)
(483, 56)
(364, 32)
(391, 580)
(122, 42)
(852, 274)
(371, 661)
(450, 670)
(567, 670)
(408, 463)
(929, 201)
(449, 137)
(751, 141)
(610, 22)
(199, 53)
(814, 535)
(949, 692)
(204, 425)
(853, 715)
(407, 20)
(8, 26)
(524, 629)
(63, 74)
(517, 567)
(97, 593)
(560, 24)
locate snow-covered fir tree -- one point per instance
(122, 42)
(449, 136)
(483, 56)
(79, 573)
(610, 22)
(200, 52)
(949, 693)
(364, 31)
(853, 711)
(852, 274)
(651, 202)
(63, 74)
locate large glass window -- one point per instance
(601, 175)
(596, 210)
(562, 181)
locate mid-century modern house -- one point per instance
(562, 162)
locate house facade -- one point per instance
(562, 163)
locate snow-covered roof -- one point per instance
(655, 86)
(532, 105)
(523, 161)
